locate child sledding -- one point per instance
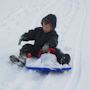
(46, 41)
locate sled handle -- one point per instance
(50, 50)
(29, 55)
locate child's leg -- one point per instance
(58, 54)
(27, 48)
(61, 57)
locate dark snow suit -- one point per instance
(41, 38)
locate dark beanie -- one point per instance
(52, 19)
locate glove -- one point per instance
(45, 48)
(21, 39)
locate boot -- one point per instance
(65, 59)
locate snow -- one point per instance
(18, 16)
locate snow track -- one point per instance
(25, 14)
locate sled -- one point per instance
(46, 69)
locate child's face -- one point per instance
(46, 27)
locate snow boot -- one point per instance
(14, 59)
(20, 61)
(65, 59)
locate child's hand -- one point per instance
(45, 48)
(21, 39)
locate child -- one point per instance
(46, 40)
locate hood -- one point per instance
(52, 19)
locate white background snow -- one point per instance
(18, 16)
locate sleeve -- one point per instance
(30, 35)
(53, 41)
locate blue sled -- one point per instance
(42, 69)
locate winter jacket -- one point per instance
(41, 38)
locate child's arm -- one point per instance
(30, 35)
(53, 41)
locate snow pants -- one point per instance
(34, 50)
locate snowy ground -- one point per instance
(18, 16)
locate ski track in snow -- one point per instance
(13, 78)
